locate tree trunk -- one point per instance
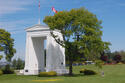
(70, 57)
(70, 67)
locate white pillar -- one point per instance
(34, 59)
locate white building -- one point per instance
(35, 59)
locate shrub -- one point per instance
(104, 58)
(89, 72)
(1, 72)
(52, 73)
(47, 74)
(43, 74)
(120, 63)
(117, 58)
(8, 70)
(82, 70)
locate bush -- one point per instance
(47, 74)
(43, 74)
(104, 58)
(89, 72)
(82, 70)
(7, 70)
(120, 63)
(1, 72)
(52, 73)
(117, 58)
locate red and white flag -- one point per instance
(54, 10)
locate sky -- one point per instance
(17, 15)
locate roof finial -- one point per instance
(39, 13)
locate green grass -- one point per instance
(113, 74)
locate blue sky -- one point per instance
(16, 15)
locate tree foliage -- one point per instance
(116, 56)
(6, 44)
(18, 64)
(122, 53)
(1, 57)
(81, 31)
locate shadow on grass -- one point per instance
(77, 75)
(74, 75)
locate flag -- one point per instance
(54, 10)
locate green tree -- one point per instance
(1, 57)
(14, 63)
(7, 44)
(81, 31)
(122, 53)
(18, 64)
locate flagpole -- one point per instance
(39, 13)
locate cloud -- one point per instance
(11, 6)
(16, 26)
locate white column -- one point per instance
(48, 53)
(26, 53)
(34, 55)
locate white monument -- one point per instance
(35, 59)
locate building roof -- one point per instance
(37, 27)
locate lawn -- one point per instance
(113, 74)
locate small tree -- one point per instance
(7, 44)
(1, 57)
(14, 63)
(18, 64)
